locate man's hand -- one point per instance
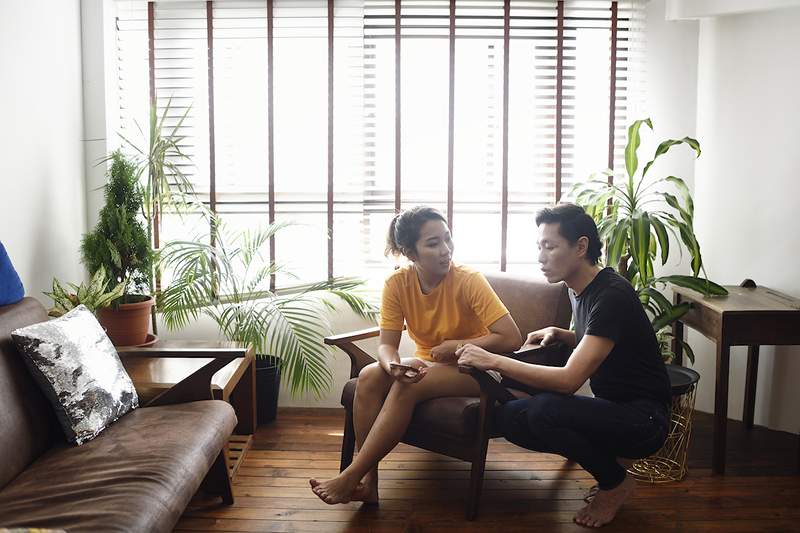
(541, 337)
(471, 355)
(445, 352)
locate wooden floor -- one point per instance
(523, 491)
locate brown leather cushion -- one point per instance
(454, 416)
(28, 425)
(138, 475)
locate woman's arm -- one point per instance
(387, 348)
(503, 336)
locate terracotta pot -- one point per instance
(128, 325)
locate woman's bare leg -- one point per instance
(373, 386)
(391, 424)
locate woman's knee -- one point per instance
(372, 379)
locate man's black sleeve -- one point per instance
(607, 315)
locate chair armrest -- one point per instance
(353, 336)
(489, 386)
(555, 354)
(197, 385)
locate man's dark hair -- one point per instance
(573, 223)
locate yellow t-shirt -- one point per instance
(462, 306)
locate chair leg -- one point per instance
(476, 481)
(348, 440)
(217, 480)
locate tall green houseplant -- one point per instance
(119, 242)
(636, 219)
(228, 281)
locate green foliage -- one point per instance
(229, 282)
(635, 220)
(119, 242)
(158, 166)
(93, 295)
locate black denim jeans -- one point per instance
(590, 431)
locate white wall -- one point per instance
(747, 191)
(42, 208)
(670, 100)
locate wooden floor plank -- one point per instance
(523, 491)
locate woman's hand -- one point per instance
(399, 374)
(541, 337)
(445, 352)
(471, 355)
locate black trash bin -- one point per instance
(268, 380)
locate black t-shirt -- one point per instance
(609, 307)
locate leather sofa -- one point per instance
(139, 474)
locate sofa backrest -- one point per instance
(28, 425)
(533, 304)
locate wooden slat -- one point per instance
(236, 450)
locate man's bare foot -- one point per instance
(337, 490)
(605, 505)
(589, 496)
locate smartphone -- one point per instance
(409, 371)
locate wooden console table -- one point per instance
(235, 383)
(749, 316)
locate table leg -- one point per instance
(721, 406)
(243, 401)
(750, 386)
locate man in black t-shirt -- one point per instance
(614, 346)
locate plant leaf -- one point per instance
(631, 159)
(664, 147)
(671, 315)
(701, 285)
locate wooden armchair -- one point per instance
(460, 427)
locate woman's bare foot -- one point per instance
(337, 490)
(605, 505)
(365, 493)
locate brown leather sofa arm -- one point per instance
(196, 386)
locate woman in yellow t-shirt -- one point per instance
(443, 305)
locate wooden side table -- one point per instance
(749, 316)
(235, 383)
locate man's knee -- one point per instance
(543, 409)
(522, 420)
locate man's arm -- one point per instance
(584, 361)
(549, 335)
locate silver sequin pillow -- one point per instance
(79, 370)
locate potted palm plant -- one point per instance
(636, 218)
(119, 245)
(228, 281)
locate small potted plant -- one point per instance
(93, 295)
(119, 245)
(229, 282)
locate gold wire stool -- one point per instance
(669, 463)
